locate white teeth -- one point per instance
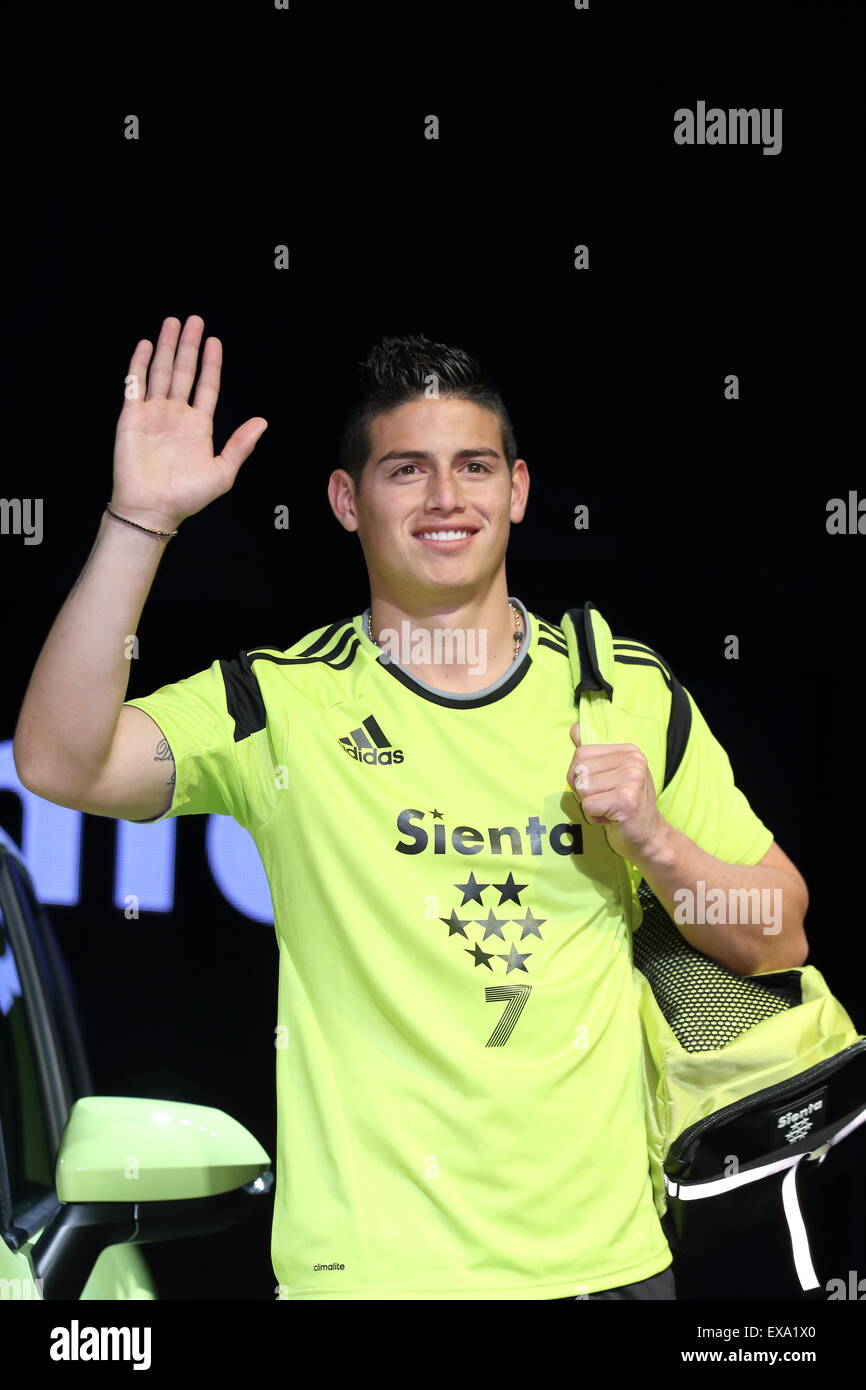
(442, 535)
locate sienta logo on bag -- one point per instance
(794, 1121)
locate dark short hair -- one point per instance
(398, 370)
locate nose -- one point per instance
(443, 492)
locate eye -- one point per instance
(472, 463)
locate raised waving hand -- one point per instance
(165, 468)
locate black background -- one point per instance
(305, 127)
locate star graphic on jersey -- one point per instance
(455, 924)
(437, 815)
(481, 957)
(471, 890)
(510, 890)
(529, 924)
(492, 925)
(514, 958)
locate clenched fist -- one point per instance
(614, 788)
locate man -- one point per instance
(458, 1049)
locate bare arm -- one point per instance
(74, 743)
(65, 737)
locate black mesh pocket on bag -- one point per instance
(706, 1005)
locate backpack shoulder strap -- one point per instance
(593, 654)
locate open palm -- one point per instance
(165, 468)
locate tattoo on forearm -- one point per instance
(162, 755)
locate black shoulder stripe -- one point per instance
(679, 726)
(644, 661)
(620, 644)
(555, 646)
(243, 697)
(325, 637)
(680, 714)
(327, 657)
(551, 629)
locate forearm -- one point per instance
(748, 917)
(72, 704)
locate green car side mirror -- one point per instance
(122, 1149)
(131, 1170)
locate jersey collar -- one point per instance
(473, 699)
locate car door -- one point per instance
(43, 1069)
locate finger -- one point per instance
(160, 367)
(590, 818)
(599, 816)
(603, 756)
(597, 782)
(597, 749)
(243, 441)
(135, 388)
(208, 387)
(578, 777)
(186, 359)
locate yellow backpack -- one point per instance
(746, 1078)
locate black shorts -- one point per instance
(656, 1286)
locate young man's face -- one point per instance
(434, 465)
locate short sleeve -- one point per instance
(213, 770)
(703, 802)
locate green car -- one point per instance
(85, 1180)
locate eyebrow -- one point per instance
(428, 457)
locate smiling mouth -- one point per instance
(446, 535)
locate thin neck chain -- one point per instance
(517, 634)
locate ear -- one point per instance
(342, 497)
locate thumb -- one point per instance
(241, 444)
(575, 734)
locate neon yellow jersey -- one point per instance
(459, 1100)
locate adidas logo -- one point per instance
(368, 744)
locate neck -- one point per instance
(453, 646)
